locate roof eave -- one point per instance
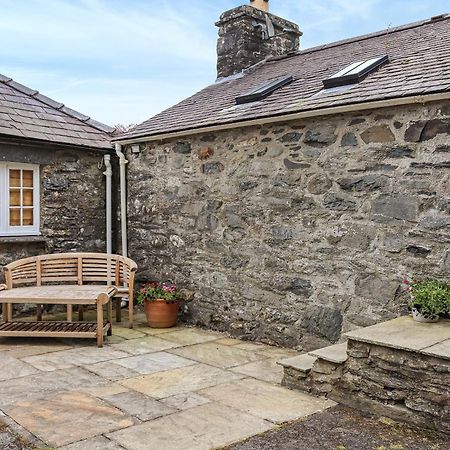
(33, 142)
(285, 117)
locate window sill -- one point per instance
(22, 239)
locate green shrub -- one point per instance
(430, 297)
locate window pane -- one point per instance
(27, 217)
(347, 70)
(27, 197)
(14, 197)
(14, 177)
(27, 176)
(14, 218)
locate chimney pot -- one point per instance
(263, 5)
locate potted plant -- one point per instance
(429, 298)
(161, 303)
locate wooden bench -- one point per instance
(70, 279)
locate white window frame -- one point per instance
(5, 228)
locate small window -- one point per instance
(263, 90)
(19, 199)
(356, 72)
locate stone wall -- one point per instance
(293, 233)
(406, 386)
(72, 206)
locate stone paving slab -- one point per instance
(228, 341)
(304, 362)
(96, 443)
(67, 417)
(157, 331)
(74, 357)
(185, 401)
(154, 362)
(114, 339)
(265, 370)
(103, 390)
(202, 428)
(111, 371)
(40, 384)
(267, 401)
(127, 333)
(11, 368)
(277, 352)
(144, 345)
(441, 350)
(20, 348)
(222, 356)
(190, 336)
(139, 405)
(403, 333)
(252, 346)
(333, 353)
(148, 388)
(179, 381)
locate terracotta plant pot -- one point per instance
(418, 317)
(161, 314)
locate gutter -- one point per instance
(401, 101)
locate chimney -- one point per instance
(250, 34)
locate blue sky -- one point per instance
(122, 61)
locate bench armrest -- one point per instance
(105, 297)
(3, 287)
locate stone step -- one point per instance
(336, 354)
(302, 363)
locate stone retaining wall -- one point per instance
(404, 385)
(320, 380)
(293, 233)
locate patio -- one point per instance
(178, 388)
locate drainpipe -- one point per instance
(108, 174)
(123, 199)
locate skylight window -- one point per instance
(263, 91)
(356, 72)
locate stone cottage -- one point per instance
(52, 191)
(293, 193)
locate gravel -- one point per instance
(341, 428)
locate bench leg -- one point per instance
(39, 313)
(69, 313)
(9, 310)
(130, 312)
(110, 314)
(118, 309)
(99, 325)
(6, 312)
(80, 313)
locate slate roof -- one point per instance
(419, 64)
(25, 113)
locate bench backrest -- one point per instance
(72, 268)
